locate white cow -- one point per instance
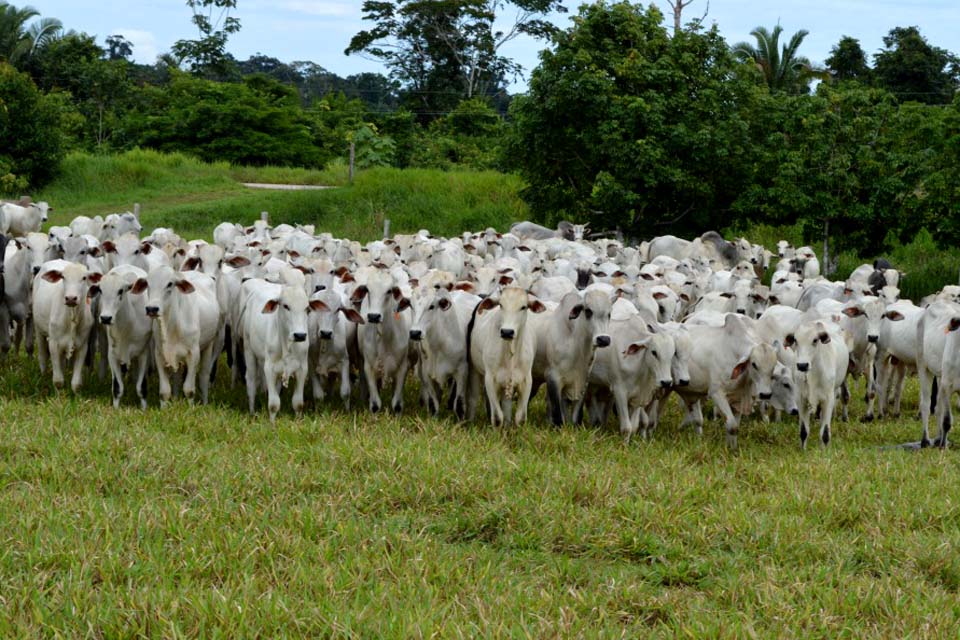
(186, 322)
(938, 359)
(17, 220)
(501, 352)
(822, 360)
(62, 318)
(332, 330)
(123, 313)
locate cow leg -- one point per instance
(901, 379)
(555, 401)
(523, 401)
(372, 392)
(721, 403)
(400, 377)
(506, 410)
(252, 382)
(300, 382)
(944, 410)
(117, 374)
(623, 412)
(460, 392)
(104, 348)
(77, 378)
(869, 376)
(493, 403)
(142, 361)
(826, 415)
(190, 375)
(56, 362)
(316, 384)
(345, 383)
(208, 364)
(926, 393)
(845, 400)
(804, 421)
(28, 333)
(273, 391)
(43, 353)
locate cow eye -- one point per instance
(169, 284)
(786, 386)
(754, 364)
(286, 307)
(523, 308)
(137, 252)
(430, 308)
(654, 354)
(589, 314)
(120, 293)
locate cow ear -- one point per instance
(139, 286)
(726, 294)
(95, 252)
(824, 337)
(634, 348)
(146, 248)
(464, 286)
(185, 286)
(359, 293)
(852, 312)
(108, 246)
(52, 276)
(485, 304)
(739, 369)
(318, 305)
(270, 306)
(954, 325)
(347, 277)
(536, 306)
(94, 277)
(685, 297)
(238, 261)
(575, 312)
(190, 264)
(444, 304)
(304, 270)
(895, 316)
(404, 304)
(293, 254)
(352, 315)
(413, 282)
(773, 300)
(659, 295)
(505, 280)
(789, 340)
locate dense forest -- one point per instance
(632, 121)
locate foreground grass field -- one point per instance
(202, 521)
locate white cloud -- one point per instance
(325, 8)
(144, 44)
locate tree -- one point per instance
(207, 55)
(781, 68)
(257, 121)
(678, 6)
(119, 48)
(444, 50)
(912, 69)
(31, 142)
(17, 40)
(848, 61)
(630, 128)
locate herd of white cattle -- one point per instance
(488, 315)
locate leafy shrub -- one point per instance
(31, 141)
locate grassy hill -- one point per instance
(193, 197)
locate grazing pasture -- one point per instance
(200, 520)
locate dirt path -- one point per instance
(285, 187)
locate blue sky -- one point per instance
(319, 30)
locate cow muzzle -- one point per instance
(300, 337)
(106, 320)
(684, 382)
(873, 339)
(153, 312)
(416, 335)
(665, 384)
(326, 335)
(71, 301)
(603, 341)
(794, 412)
(803, 367)
(507, 334)
(373, 318)
(766, 396)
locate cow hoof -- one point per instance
(867, 418)
(924, 443)
(398, 408)
(374, 407)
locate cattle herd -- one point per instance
(486, 318)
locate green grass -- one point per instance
(204, 521)
(193, 197)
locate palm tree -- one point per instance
(782, 69)
(18, 41)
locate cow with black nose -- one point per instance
(501, 350)
(822, 359)
(62, 317)
(384, 338)
(333, 328)
(128, 329)
(275, 340)
(186, 323)
(566, 339)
